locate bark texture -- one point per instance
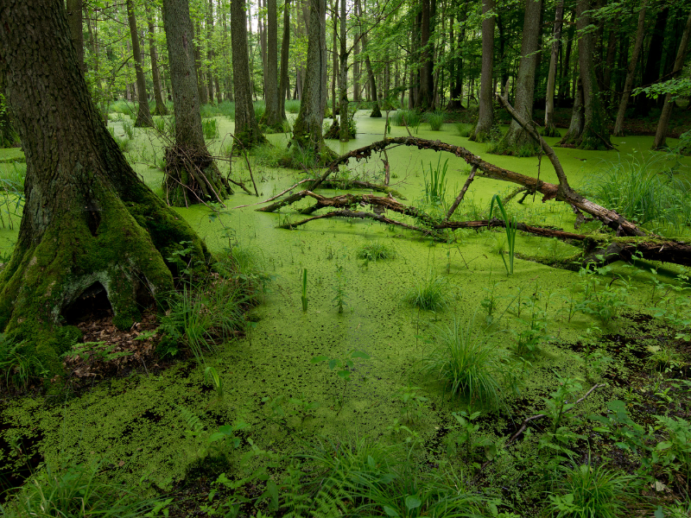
(663, 124)
(307, 130)
(191, 175)
(517, 139)
(89, 224)
(160, 108)
(273, 117)
(74, 19)
(285, 48)
(550, 130)
(143, 114)
(247, 133)
(485, 119)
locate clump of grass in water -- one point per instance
(268, 155)
(375, 252)
(435, 120)
(435, 183)
(210, 129)
(430, 294)
(292, 106)
(641, 190)
(304, 290)
(511, 231)
(259, 110)
(463, 130)
(409, 118)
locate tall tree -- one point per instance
(550, 130)
(631, 71)
(143, 113)
(8, 136)
(663, 124)
(343, 54)
(307, 130)
(191, 174)
(160, 108)
(518, 138)
(247, 133)
(595, 133)
(426, 99)
(651, 71)
(485, 118)
(89, 225)
(274, 120)
(75, 19)
(283, 89)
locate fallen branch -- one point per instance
(360, 215)
(461, 194)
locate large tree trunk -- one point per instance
(74, 19)
(307, 130)
(160, 108)
(143, 114)
(631, 71)
(8, 136)
(485, 118)
(595, 134)
(202, 91)
(426, 58)
(191, 174)
(550, 130)
(247, 133)
(210, 53)
(517, 138)
(284, 87)
(663, 124)
(90, 226)
(274, 121)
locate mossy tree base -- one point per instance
(376, 111)
(550, 131)
(493, 134)
(588, 140)
(334, 132)
(192, 177)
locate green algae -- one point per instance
(135, 421)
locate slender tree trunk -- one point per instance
(577, 120)
(334, 54)
(283, 90)
(74, 19)
(247, 133)
(210, 52)
(90, 226)
(356, 54)
(663, 124)
(550, 129)
(426, 58)
(144, 114)
(307, 130)
(565, 84)
(202, 92)
(631, 71)
(160, 108)
(595, 133)
(343, 78)
(609, 63)
(651, 71)
(191, 174)
(517, 138)
(485, 119)
(274, 121)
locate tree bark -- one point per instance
(631, 71)
(191, 174)
(651, 72)
(210, 52)
(577, 120)
(143, 114)
(343, 78)
(8, 136)
(74, 19)
(307, 130)
(160, 108)
(550, 130)
(284, 87)
(273, 116)
(247, 133)
(203, 93)
(426, 58)
(485, 119)
(663, 124)
(89, 224)
(517, 138)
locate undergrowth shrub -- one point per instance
(17, 364)
(467, 362)
(375, 252)
(268, 155)
(429, 293)
(435, 120)
(259, 110)
(411, 118)
(77, 491)
(210, 129)
(463, 129)
(292, 106)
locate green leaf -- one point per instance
(412, 502)
(334, 363)
(345, 374)
(360, 354)
(318, 359)
(390, 511)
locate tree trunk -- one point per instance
(274, 121)
(143, 114)
(609, 63)
(90, 226)
(485, 119)
(631, 71)
(202, 92)
(247, 133)
(284, 87)
(663, 124)
(160, 108)
(651, 72)
(426, 58)
(74, 19)
(517, 138)
(307, 130)
(595, 134)
(343, 78)
(191, 174)
(210, 52)
(565, 84)
(577, 121)
(8, 136)
(334, 54)
(550, 130)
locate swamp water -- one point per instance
(135, 423)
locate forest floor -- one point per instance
(134, 418)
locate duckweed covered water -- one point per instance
(136, 423)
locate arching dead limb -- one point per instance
(361, 215)
(461, 194)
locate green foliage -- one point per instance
(292, 106)
(467, 362)
(340, 294)
(464, 439)
(674, 453)
(343, 367)
(511, 231)
(603, 298)
(268, 155)
(410, 118)
(375, 252)
(557, 408)
(435, 120)
(17, 364)
(414, 404)
(429, 293)
(259, 110)
(463, 129)
(210, 129)
(435, 182)
(128, 128)
(588, 491)
(642, 190)
(304, 290)
(76, 491)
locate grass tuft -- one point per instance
(435, 120)
(375, 252)
(429, 293)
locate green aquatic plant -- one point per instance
(467, 362)
(435, 120)
(429, 293)
(343, 367)
(511, 231)
(435, 183)
(210, 129)
(413, 404)
(304, 290)
(375, 252)
(340, 294)
(588, 491)
(410, 118)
